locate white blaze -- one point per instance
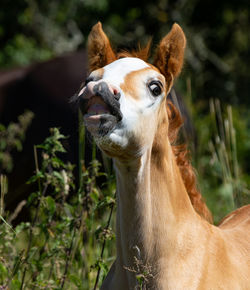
(117, 70)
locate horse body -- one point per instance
(162, 242)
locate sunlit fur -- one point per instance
(97, 60)
(100, 52)
(159, 234)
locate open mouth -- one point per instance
(96, 108)
(101, 111)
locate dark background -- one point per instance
(217, 59)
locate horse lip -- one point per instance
(99, 101)
(111, 101)
(85, 104)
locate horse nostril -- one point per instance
(105, 89)
(116, 93)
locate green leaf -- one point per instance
(34, 178)
(21, 227)
(8, 225)
(15, 284)
(2, 128)
(33, 196)
(57, 162)
(106, 201)
(51, 204)
(94, 195)
(75, 280)
(59, 176)
(3, 271)
(18, 145)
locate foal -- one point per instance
(158, 230)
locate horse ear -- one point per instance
(170, 53)
(100, 52)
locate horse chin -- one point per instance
(100, 125)
(114, 143)
(111, 135)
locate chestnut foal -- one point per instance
(162, 228)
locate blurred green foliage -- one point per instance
(11, 138)
(221, 158)
(60, 247)
(217, 58)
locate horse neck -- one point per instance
(153, 208)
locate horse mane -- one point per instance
(140, 52)
(183, 161)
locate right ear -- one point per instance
(170, 53)
(100, 52)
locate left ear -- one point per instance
(170, 53)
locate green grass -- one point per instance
(221, 175)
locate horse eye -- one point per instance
(155, 88)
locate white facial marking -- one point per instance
(137, 104)
(132, 109)
(117, 70)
